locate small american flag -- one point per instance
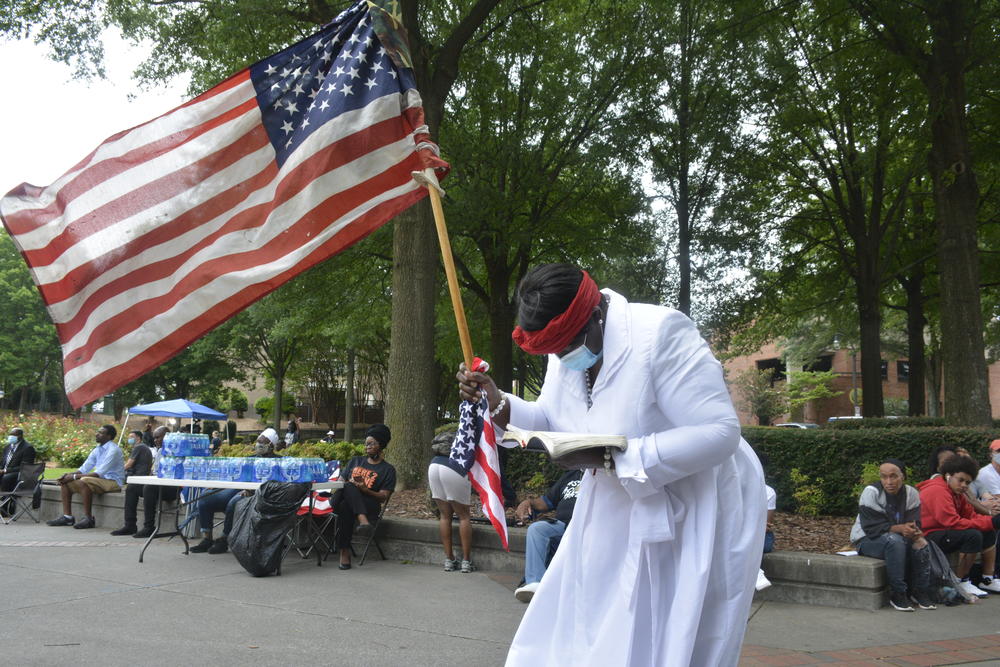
(475, 449)
(170, 228)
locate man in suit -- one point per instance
(16, 452)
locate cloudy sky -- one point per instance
(49, 121)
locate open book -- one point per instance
(568, 450)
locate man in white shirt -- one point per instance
(988, 481)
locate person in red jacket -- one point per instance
(949, 520)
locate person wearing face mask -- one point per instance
(16, 452)
(142, 461)
(102, 472)
(369, 480)
(950, 521)
(637, 577)
(225, 501)
(888, 528)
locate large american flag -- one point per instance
(170, 228)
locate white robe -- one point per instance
(659, 563)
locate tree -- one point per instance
(850, 157)
(943, 42)
(759, 396)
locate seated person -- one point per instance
(225, 501)
(102, 472)
(329, 436)
(950, 521)
(888, 528)
(987, 484)
(143, 458)
(216, 442)
(772, 504)
(368, 482)
(543, 536)
(16, 452)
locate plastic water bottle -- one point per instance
(262, 469)
(212, 469)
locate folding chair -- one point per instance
(318, 516)
(371, 535)
(29, 479)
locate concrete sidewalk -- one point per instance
(83, 597)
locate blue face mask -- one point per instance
(131, 441)
(581, 358)
(11, 439)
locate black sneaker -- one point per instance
(62, 521)
(202, 546)
(220, 546)
(143, 532)
(899, 602)
(923, 600)
(124, 530)
(85, 522)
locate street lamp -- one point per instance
(854, 375)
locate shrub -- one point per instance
(809, 496)
(235, 450)
(74, 456)
(209, 425)
(833, 459)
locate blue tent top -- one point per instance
(178, 407)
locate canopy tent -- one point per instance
(179, 408)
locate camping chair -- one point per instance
(371, 535)
(316, 514)
(29, 482)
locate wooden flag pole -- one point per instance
(429, 180)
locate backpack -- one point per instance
(943, 588)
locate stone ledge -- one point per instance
(853, 582)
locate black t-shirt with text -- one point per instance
(379, 476)
(563, 494)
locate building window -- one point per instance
(820, 365)
(776, 365)
(903, 371)
(885, 370)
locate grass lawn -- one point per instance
(55, 473)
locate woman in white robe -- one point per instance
(659, 563)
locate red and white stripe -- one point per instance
(170, 228)
(485, 477)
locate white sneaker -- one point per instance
(990, 584)
(968, 588)
(762, 580)
(526, 592)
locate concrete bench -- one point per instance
(852, 582)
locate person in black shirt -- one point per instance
(140, 463)
(16, 452)
(368, 482)
(544, 536)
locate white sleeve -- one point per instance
(772, 498)
(686, 384)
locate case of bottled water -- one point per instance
(170, 467)
(187, 444)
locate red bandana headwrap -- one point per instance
(562, 329)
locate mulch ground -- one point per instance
(792, 532)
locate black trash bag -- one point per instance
(260, 523)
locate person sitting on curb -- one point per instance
(888, 528)
(17, 452)
(149, 494)
(225, 501)
(102, 472)
(544, 536)
(950, 521)
(368, 482)
(139, 464)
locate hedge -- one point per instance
(886, 422)
(832, 459)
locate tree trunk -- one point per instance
(956, 195)
(915, 322)
(279, 390)
(411, 401)
(870, 324)
(349, 399)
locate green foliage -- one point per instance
(328, 451)
(210, 425)
(524, 469)
(833, 459)
(759, 396)
(51, 436)
(808, 495)
(265, 406)
(900, 422)
(236, 450)
(805, 386)
(73, 456)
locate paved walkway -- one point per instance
(82, 597)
